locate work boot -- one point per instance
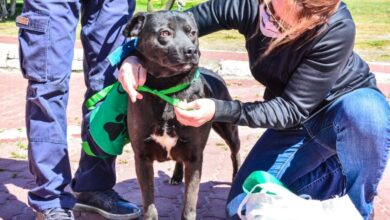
(106, 203)
(55, 214)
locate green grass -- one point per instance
(8, 26)
(21, 144)
(372, 18)
(19, 155)
(141, 4)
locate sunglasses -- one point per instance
(269, 9)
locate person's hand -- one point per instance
(195, 113)
(131, 75)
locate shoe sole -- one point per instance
(87, 208)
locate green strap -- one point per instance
(89, 152)
(170, 100)
(93, 100)
(87, 149)
(163, 93)
(96, 98)
(114, 58)
(259, 177)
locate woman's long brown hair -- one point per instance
(312, 14)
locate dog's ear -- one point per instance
(191, 15)
(134, 27)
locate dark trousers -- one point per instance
(47, 38)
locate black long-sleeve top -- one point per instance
(299, 80)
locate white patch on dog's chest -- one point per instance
(166, 141)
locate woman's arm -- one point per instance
(308, 86)
(215, 15)
(131, 75)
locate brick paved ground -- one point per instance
(15, 179)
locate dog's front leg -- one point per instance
(144, 169)
(192, 172)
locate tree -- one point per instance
(7, 10)
(168, 5)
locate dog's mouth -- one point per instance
(173, 70)
(183, 67)
(168, 63)
(177, 59)
(167, 68)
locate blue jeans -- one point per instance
(343, 149)
(47, 38)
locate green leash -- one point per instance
(163, 94)
(93, 100)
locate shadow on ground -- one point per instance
(15, 181)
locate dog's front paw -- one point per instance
(151, 213)
(175, 181)
(189, 216)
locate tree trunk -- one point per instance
(12, 8)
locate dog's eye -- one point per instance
(192, 33)
(165, 33)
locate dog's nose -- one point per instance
(189, 52)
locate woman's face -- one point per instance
(285, 14)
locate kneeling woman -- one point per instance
(328, 124)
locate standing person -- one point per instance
(47, 38)
(328, 124)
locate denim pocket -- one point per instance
(33, 45)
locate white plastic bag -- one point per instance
(274, 202)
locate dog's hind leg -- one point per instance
(229, 132)
(217, 89)
(145, 175)
(192, 172)
(177, 176)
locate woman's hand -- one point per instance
(131, 75)
(195, 113)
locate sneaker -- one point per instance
(55, 214)
(106, 203)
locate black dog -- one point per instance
(168, 48)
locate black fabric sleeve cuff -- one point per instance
(226, 111)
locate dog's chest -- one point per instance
(167, 140)
(166, 131)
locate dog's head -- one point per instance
(167, 42)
